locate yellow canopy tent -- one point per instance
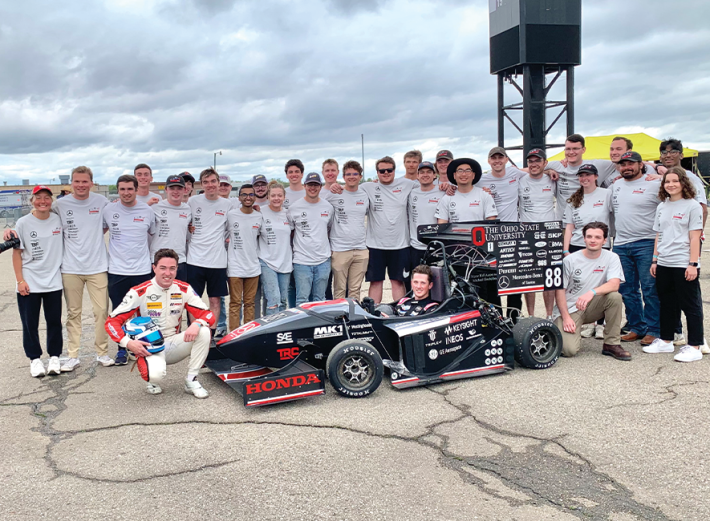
(647, 146)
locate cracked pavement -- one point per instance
(591, 438)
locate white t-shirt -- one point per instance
(171, 222)
(311, 222)
(348, 229)
(42, 244)
(475, 205)
(422, 210)
(387, 222)
(128, 228)
(242, 252)
(699, 188)
(207, 242)
(145, 198)
(275, 240)
(292, 196)
(581, 274)
(83, 225)
(674, 220)
(595, 207)
(504, 191)
(634, 204)
(568, 182)
(537, 199)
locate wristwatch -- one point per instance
(693, 264)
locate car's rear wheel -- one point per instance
(538, 343)
(354, 368)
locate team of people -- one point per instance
(317, 237)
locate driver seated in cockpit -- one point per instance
(420, 302)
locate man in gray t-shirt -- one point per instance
(311, 218)
(591, 279)
(144, 176)
(173, 218)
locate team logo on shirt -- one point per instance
(527, 189)
(163, 212)
(71, 212)
(138, 219)
(475, 203)
(198, 211)
(598, 204)
(599, 269)
(56, 231)
(304, 214)
(578, 272)
(639, 191)
(415, 199)
(92, 211)
(396, 190)
(236, 225)
(219, 212)
(544, 189)
(268, 221)
(512, 181)
(676, 216)
(183, 216)
(33, 235)
(340, 201)
(453, 204)
(116, 216)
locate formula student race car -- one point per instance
(287, 356)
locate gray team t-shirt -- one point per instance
(595, 207)
(275, 240)
(476, 205)
(292, 196)
(568, 183)
(171, 228)
(581, 274)
(699, 188)
(634, 204)
(145, 198)
(83, 225)
(504, 191)
(387, 222)
(537, 199)
(242, 252)
(422, 210)
(348, 229)
(674, 220)
(311, 222)
(207, 241)
(42, 244)
(128, 228)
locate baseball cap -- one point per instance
(175, 180)
(39, 188)
(588, 168)
(537, 152)
(187, 176)
(444, 154)
(497, 150)
(426, 164)
(631, 156)
(224, 178)
(313, 177)
(259, 178)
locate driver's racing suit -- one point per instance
(165, 307)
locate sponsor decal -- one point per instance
(506, 243)
(71, 212)
(176, 312)
(182, 215)
(115, 216)
(541, 254)
(432, 336)
(239, 331)
(176, 296)
(288, 353)
(556, 244)
(154, 305)
(138, 219)
(284, 338)
(219, 212)
(33, 235)
(454, 339)
(361, 326)
(540, 244)
(448, 350)
(327, 332)
(455, 328)
(522, 254)
(507, 250)
(56, 232)
(154, 314)
(282, 383)
(153, 298)
(433, 354)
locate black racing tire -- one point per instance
(538, 343)
(354, 368)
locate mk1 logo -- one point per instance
(287, 353)
(327, 331)
(284, 338)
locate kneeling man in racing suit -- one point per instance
(421, 302)
(163, 299)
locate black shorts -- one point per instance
(118, 286)
(214, 278)
(415, 257)
(395, 262)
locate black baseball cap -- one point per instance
(175, 180)
(259, 178)
(588, 168)
(444, 154)
(537, 152)
(475, 166)
(631, 156)
(426, 164)
(187, 176)
(313, 177)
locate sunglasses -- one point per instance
(385, 170)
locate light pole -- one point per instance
(215, 158)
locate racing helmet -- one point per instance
(145, 330)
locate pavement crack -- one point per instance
(669, 390)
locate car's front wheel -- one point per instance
(354, 368)
(538, 343)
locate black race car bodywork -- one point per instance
(287, 356)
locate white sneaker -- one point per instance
(659, 346)
(105, 360)
(587, 331)
(599, 332)
(705, 349)
(69, 365)
(53, 367)
(153, 389)
(678, 339)
(131, 357)
(194, 387)
(688, 354)
(37, 368)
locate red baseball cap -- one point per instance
(39, 188)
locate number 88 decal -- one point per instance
(553, 278)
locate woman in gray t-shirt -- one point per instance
(36, 262)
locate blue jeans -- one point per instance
(311, 280)
(275, 287)
(643, 318)
(222, 322)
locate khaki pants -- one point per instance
(97, 286)
(348, 269)
(241, 291)
(608, 307)
(176, 350)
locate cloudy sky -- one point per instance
(111, 83)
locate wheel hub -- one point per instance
(540, 345)
(356, 370)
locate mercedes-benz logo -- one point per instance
(503, 282)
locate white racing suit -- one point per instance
(165, 307)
